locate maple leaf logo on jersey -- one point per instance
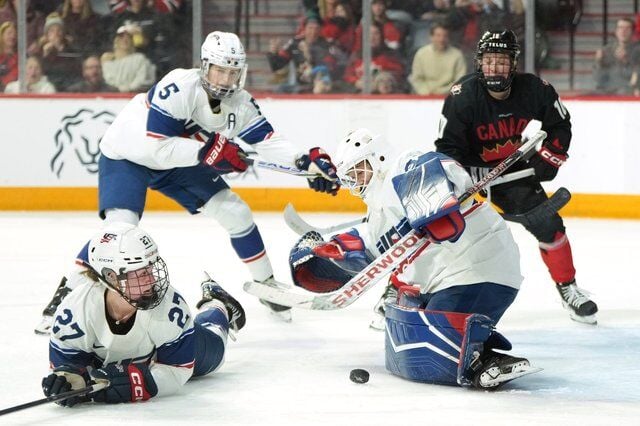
(456, 89)
(77, 140)
(500, 152)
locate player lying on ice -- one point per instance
(132, 328)
(453, 290)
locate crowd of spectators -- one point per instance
(94, 45)
(417, 46)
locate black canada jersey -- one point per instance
(478, 130)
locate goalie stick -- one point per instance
(298, 225)
(59, 397)
(383, 264)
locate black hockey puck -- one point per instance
(359, 376)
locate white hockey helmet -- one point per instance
(126, 259)
(223, 65)
(360, 161)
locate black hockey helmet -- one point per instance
(502, 41)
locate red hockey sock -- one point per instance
(557, 256)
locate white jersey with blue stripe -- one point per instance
(485, 252)
(163, 336)
(166, 127)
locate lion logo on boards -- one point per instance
(77, 140)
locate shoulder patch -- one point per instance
(545, 82)
(456, 89)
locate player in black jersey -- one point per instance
(481, 124)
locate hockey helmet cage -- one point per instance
(126, 259)
(360, 161)
(225, 52)
(503, 41)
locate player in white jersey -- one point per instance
(130, 327)
(177, 139)
(470, 264)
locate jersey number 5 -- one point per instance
(167, 90)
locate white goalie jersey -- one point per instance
(167, 126)
(485, 252)
(162, 336)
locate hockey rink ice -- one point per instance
(298, 373)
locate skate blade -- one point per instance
(284, 316)
(44, 328)
(587, 319)
(493, 377)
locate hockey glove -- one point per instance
(129, 383)
(547, 161)
(64, 379)
(319, 162)
(223, 155)
(347, 246)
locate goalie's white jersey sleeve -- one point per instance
(485, 252)
(167, 126)
(163, 336)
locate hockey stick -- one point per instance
(59, 397)
(298, 225)
(543, 211)
(278, 167)
(383, 264)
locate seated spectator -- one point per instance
(124, 68)
(60, 60)
(92, 80)
(340, 29)
(616, 61)
(305, 52)
(382, 59)
(81, 24)
(437, 65)
(384, 84)
(321, 80)
(36, 81)
(8, 54)
(392, 35)
(35, 22)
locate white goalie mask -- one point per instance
(360, 161)
(126, 259)
(223, 65)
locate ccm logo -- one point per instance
(549, 157)
(137, 388)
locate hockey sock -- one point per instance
(558, 258)
(250, 249)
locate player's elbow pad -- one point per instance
(446, 228)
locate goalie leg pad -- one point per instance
(434, 347)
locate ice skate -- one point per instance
(497, 369)
(47, 314)
(211, 291)
(281, 312)
(577, 302)
(390, 295)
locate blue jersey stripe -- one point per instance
(257, 132)
(178, 352)
(160, 122)
(61, 356)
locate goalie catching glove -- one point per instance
(223, 155)
(319, 162)
(323, 267)
(428, 199)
